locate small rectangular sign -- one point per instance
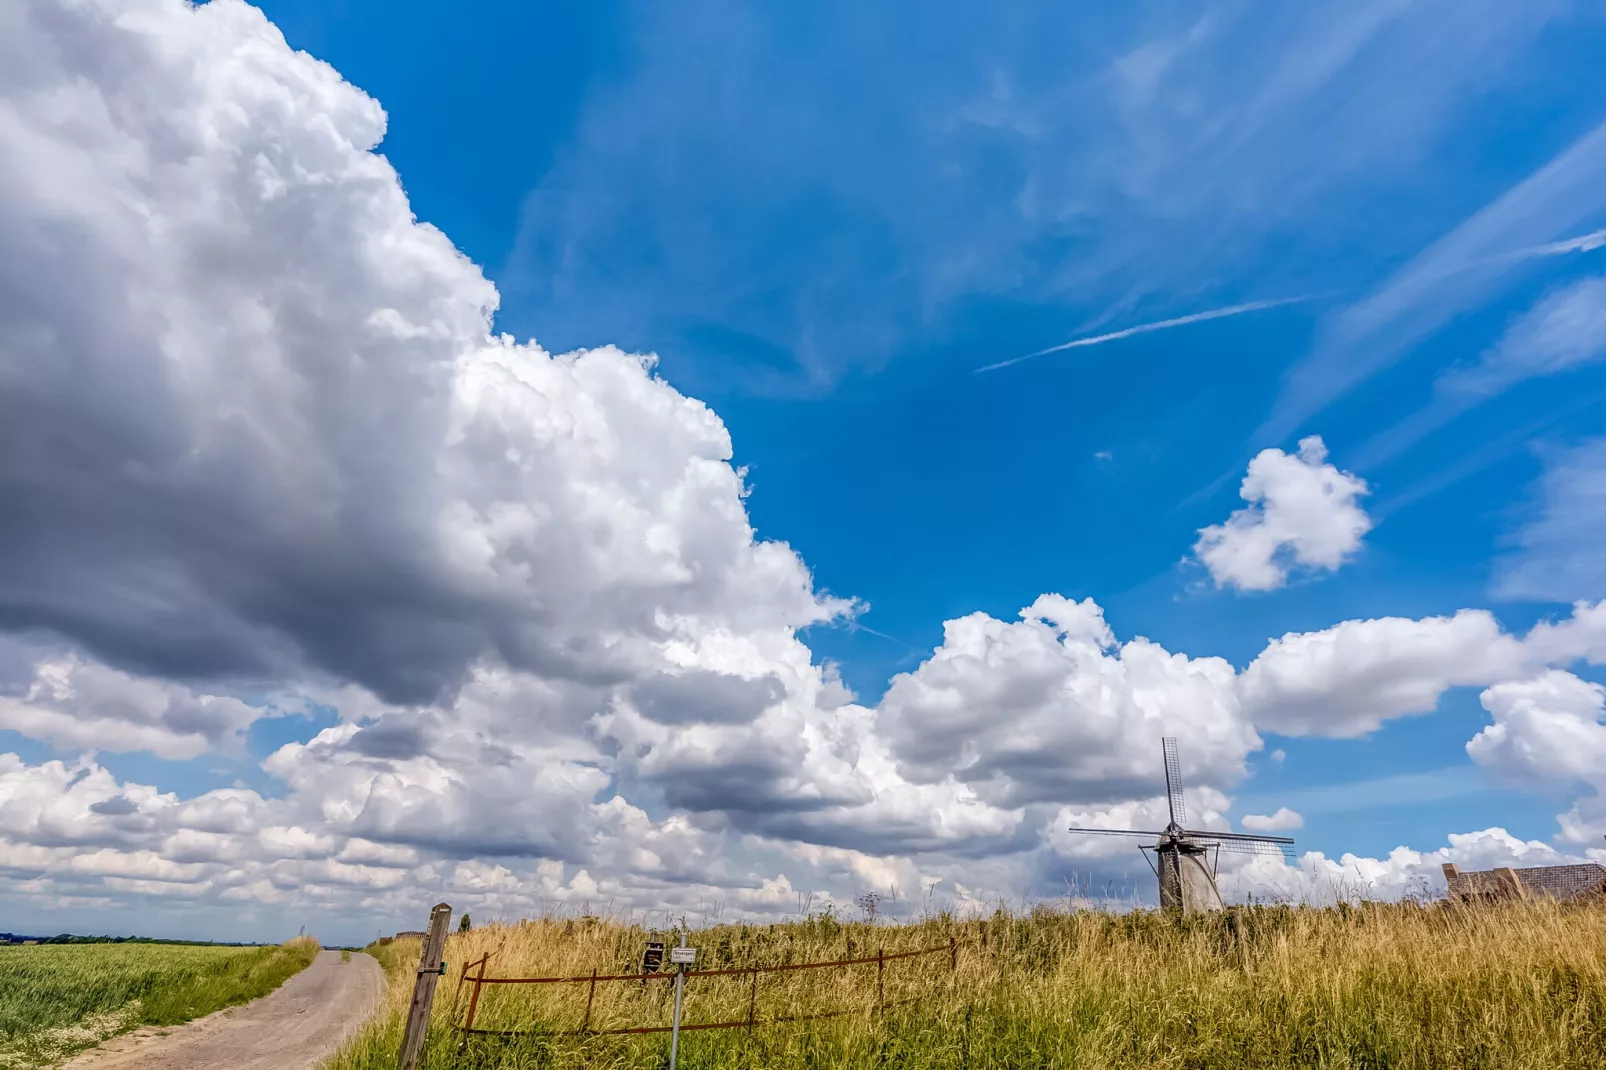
(683, 956)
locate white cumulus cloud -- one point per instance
(1302, 512)
(1053, 708)
(1546, 730)
(1548, 734)
(1348, 679)
(258, 439)
(76, 703)
(1284, 818)
(261, 452)
(1402, 873)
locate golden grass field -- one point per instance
(1521, 985)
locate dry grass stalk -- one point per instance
(1520, 985)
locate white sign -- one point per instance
(683, 956)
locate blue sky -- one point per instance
(862, 236)
(824, 221)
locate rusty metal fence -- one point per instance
(879, 960)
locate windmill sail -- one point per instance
(1275, 848)
(1231, 842)
(1116, 832)
(1173, 781)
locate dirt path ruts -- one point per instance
(290, 1028)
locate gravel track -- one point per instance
(291, 1028)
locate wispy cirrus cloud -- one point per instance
(1455, 273)
(1558, 554)
(1484, 456)
(1563, 331)
(948, 175)
(1459, 271)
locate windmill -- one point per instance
(1185, 859)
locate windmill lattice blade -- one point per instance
(1256, 847)
(1173, 780)
(1115, 832)
(1212, 834)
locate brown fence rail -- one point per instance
(879, 959)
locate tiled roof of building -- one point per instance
(1564, 882)
(1560, 882)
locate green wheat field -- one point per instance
(58, 999)
(1374, 986)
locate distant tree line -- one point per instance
(69, 938)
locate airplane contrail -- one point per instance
(1586, 243)
(1159, 325)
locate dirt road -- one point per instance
(290, 1028)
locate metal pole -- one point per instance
(473, 1001)
(674, 1032)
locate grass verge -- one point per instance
(1407, 987)
(58, 999)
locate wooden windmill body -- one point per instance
(1185, 859)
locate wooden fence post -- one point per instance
(880, 987)
(429, 972)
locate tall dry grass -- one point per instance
(1521, 985)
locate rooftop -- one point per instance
(1559, 882)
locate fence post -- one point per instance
(457, 995)
(474, 998)
(429, 972)
(880, 987)
(752, 1001)
(591, 994)
(953, 955)
(680, 980)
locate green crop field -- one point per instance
(57, 999)
(1520, 986)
